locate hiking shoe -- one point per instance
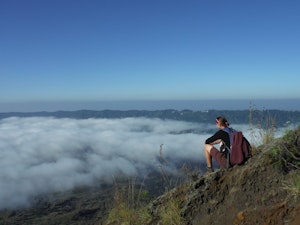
(209, 170)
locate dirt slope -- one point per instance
(258, 192)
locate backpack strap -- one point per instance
(230, 131)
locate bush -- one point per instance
(170, 214)
(129, 205)
(293, 184)
(286, 154)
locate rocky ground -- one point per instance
(264, 191)
(244, 195)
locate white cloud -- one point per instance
(41, 155)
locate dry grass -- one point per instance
(129, 205)
(293, 184)
(170, 214)
(263, 131)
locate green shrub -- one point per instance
(170, 214)
(286, 154)
(293, 184)
(129, 205)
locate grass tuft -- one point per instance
(129, 205)
(293, 184)
(170, 214)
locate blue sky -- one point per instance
(76, 50)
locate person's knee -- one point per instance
(207, 147)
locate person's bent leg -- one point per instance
(219, 157)
(207, 149)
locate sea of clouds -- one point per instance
(40, 155)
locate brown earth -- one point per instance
(258, 192)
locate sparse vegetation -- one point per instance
(286, 154)
(162, 164)
(186, 172)
(129, 205)
(170, 214)
(293, 184)
(265, 123)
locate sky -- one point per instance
(76, 51)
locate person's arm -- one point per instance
(215, 139)
(216, 142)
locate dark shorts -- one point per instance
(219, 157)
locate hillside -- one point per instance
(263, 191)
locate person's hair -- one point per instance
(223, 121)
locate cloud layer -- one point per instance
(41, 155)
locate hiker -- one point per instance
(222, 138)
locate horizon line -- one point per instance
(208, 104)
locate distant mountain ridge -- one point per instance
(276, 117)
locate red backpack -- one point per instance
(241, 149)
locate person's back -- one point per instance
(221, 136)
